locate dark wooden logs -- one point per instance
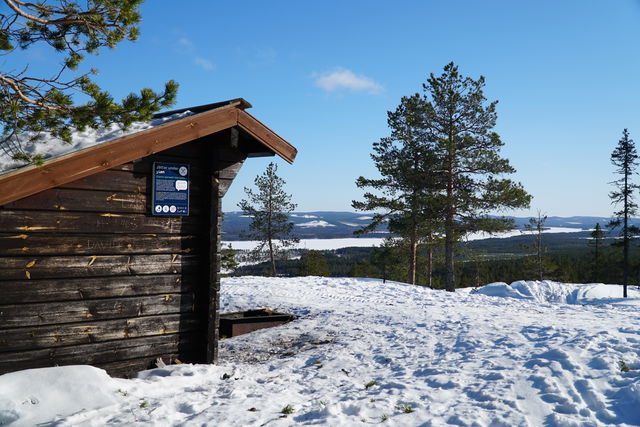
(89, 275)
(58, 267)
(87, 288)
(63, 222)
(49, 313)
(97, 244)
(104, 353)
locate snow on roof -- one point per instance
(51, 147)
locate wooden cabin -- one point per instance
(95, 270)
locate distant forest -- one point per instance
(567, 257)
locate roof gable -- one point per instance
(79, 164)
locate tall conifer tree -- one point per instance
(459, 125)
(535, 227)
(625, 159)
(407, 192)
(597, 236)
(269, 208)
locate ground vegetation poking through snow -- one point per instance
(362, 352)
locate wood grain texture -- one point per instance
(96, 244)
(51, 313)
(266, 136)
(183, 346)
(62, 222)
(49, 336)
(86, 288)
(61, 267)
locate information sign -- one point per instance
(170, 189)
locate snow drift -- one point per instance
(364, 352)
(547, 291)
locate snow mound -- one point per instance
(35, 396)
(547, 291)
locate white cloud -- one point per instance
(186, 44)
(204, 63)
(341, 78)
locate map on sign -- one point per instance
(170, 189)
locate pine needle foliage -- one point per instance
(34, 104)
(313, 263)
(269, 208)
(405, 197)
(625, 160)
(597, 238)
(441, 169)
(460, 123)
(539, 262)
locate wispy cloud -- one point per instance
(257, 57)
(185, 46)
(343, 79)
(204, 63)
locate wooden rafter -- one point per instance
(82, 163)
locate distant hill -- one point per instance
(336, 225)
(308, 225)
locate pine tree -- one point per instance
(386, 258)
(535, 227)
(597, 236)
(32, 104)
(228, 260)
(459, 126)
(269, 208)
(407, 196)
(625, 159)
(313, 263)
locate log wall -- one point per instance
(89, 276)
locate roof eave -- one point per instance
(79, 164)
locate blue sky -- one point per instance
(324, 74)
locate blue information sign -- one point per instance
(170, 189)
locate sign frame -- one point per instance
(170, 189)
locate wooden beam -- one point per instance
(266, 136)
(79, 164)
(213, 274)
(30, 180)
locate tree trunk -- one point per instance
(429, 266)
(450, 281)
(596, 260)
(449, 239)
(272, 259)
(413, 249)
(625, 250)
(540, 269)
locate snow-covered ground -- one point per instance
(362, 352)
(367, 242)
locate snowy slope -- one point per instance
(366, 353)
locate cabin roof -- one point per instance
(204, 120)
